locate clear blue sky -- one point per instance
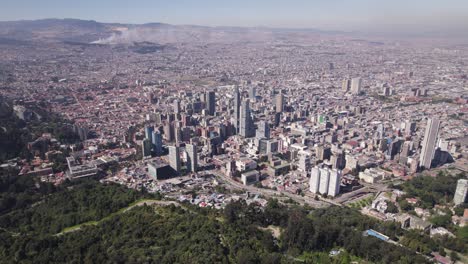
(324, 14)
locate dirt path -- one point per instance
(123, 210)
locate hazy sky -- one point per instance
(381, 15)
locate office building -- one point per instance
(263, 130)
(174, 158)
(247, 128)
(192, 157)
(250, 177)
(429, 143)
(410, 127)
(237, 105)
(338, 160)
(346, 85)
(279, 103)
(78, 170)
(146, 147)
(157, 143)
(277, 119)
(210, 102)
(322, 153)
(356, 84)
(252, 93)
(386, 91)
(304, 162)
(149, 132)
(176, 107)
(169, 133)
(272, 146)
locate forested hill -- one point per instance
(90, 222)
(15, 133)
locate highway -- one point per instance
(269, 193)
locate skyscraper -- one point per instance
(252, 93)
(246, 123)
(169, 133)
(192, 157)
(277, 119)
(334, 183)
(356, 86)
(174, 158)
(337, 160)
(157, 143)
(322, 152)
(263, 130)
(176, 107)
(146, 147)
(324, 180)
(461, 192)
(429, 143)
(314, 182)
(279, 103)
(346, 85)
(410, 127)
(149, 132)
(210, 102)
(237, 104)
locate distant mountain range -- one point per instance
(89, 31)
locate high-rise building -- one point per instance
(304, 162)
(146, 147)
(263, 130)
(210, 102)
(272, 146)
(178, 134)
(176, 107)
(237, 105)
(429, 143)
(322, 153)
(337, 160)
(174, 158)
(405, 149)
(314, 182)
(386, 91)
(410, 127)
(324, 180)
(334, 183)
(346, 85)
(169, 133)
(356, 86)
(157, 143)
(149, 132)
(247, 128)
(279, 103)
(461, 192)
(192, 157)
(82, 131)
(393, 147)
(252, 93)
(277, 119)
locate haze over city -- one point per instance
(358, 15)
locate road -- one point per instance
(269, 193)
